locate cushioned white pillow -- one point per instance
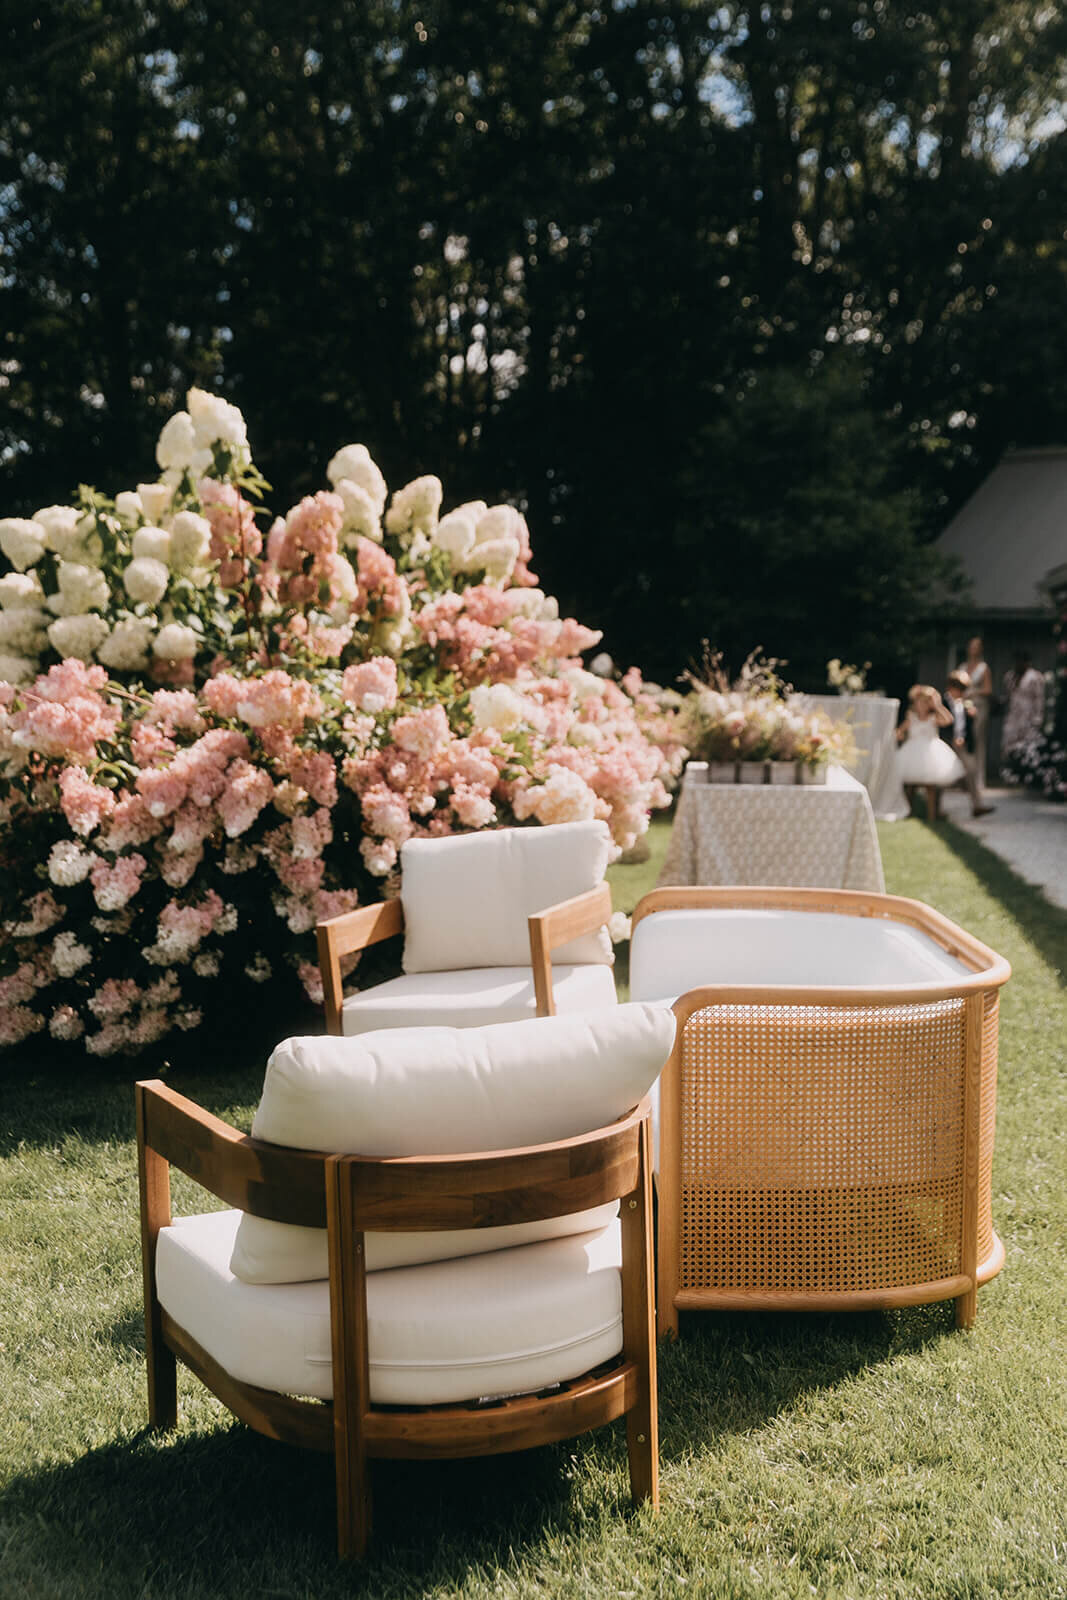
(445, 1091)
(512, 872)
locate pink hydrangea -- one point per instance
(386, 814)
(114, 998)
(84, 804)
(64, 715)
(277, 698)
(371, 685)
(316, 772)
(245, 793)
(235, 539)
(114, 886)
(422, 733)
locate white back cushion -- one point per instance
(467, 898)
(445, 1091)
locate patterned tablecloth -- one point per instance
(810, 836)
(873, 719)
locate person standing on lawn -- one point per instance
(962, 734)
(980, 693)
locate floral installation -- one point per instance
(847, 678)
(753, 718)
(217, 730)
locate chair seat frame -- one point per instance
(550, 929)
(349, 1195)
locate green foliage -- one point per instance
(553, 248)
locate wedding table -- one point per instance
(804, 836)
(873, 719)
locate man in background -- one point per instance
(962, 735)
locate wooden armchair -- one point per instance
(480, 929)
(363, 1303)
(349, 1195)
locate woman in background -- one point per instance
(980, 692)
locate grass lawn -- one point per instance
(881, 1455)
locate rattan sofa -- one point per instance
(827, 1114)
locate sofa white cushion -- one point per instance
(474, 997)
(510, 1322)
(446, 1091)
(674, 951)
(467, 899)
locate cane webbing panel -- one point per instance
(822, 1146)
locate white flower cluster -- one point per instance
(478, 537)
(359, 482)
(68, 863)
(188, 440)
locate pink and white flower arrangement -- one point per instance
(248, 722)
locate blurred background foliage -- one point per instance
(739, 303)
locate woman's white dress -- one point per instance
(924, 757)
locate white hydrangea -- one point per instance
(68, 863)
(155, 498)
(22, 541)
(78, 636)
(153, 543)
(68, 956)
(226, 922)
(602, 665)
(258, 969)
(65, 1024)
(585, 684)
(21, 591)
(496, 556)
(17, 669)
(176, 442)
(190, 541)
(496, 705)
(500, 522)
(206, 964)
(81, 589)
(584, 735)
(619, 927)
(455, 535)
(176, 642)
(146, 580)
(354, 463)
(22, 633)
(362, 519)
(66, 530)
(415, 507)
(534, 603)
(126, 647)
(565, 797)
(128, 505)
(215, 420)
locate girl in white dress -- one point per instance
(924, 760)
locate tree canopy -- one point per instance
(740, 303)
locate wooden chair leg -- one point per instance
(639, 1337)
(154, 1179)
(966, 1308)
(351, 1373)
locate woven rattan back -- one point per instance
(826, 1154)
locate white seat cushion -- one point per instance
(467, 899)
(510, 1322)
(674, 951)
(474, 997)
(446, 1091)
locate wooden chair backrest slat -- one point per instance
(267, 1180)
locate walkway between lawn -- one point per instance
(1027, 833)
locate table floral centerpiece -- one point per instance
(746, 730)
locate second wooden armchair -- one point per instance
(497, 926)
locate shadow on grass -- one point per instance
(229, 1512)
(193, 1510)
(1043, 924)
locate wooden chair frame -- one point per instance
(548, 930)
(349, 1195)
(981, 1254)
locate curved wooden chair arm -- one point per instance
(558, 925)
(339, 936)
